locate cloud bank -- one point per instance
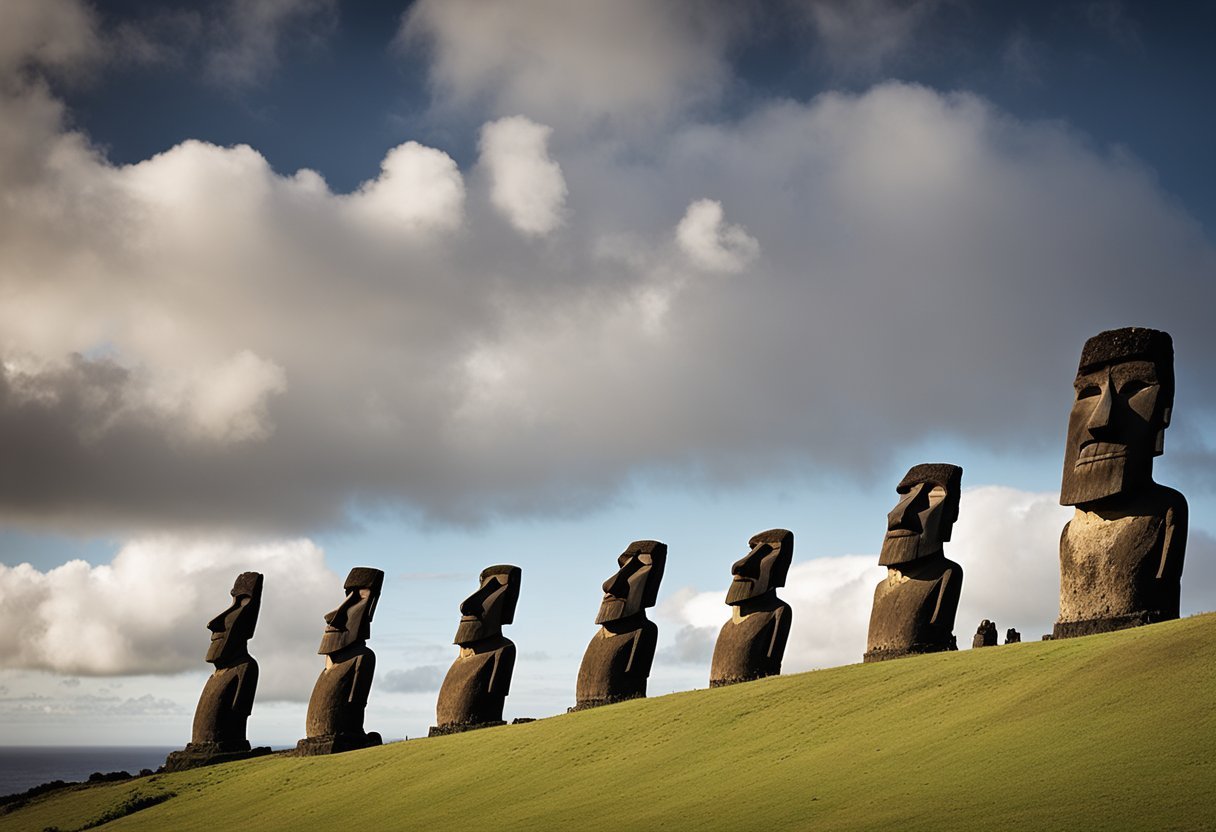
(198, 340)
(144, 612)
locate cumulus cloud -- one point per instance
(419, 189)
(526, 185)
(576, 61)
(198, 339)
(144, 612)
(711, 243)
(50, 34)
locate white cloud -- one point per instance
(526, 185)
(53, 34)
(146, 611)
(711, 243)
(419, 189)
(455, 367)
(576, 61)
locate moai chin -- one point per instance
(1121, 554)
(752, 642)
(985, 635)
(227, 699)
(618, 659)
(335, 710)
(914, 605)
(479, 680)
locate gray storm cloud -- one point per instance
(196, 340)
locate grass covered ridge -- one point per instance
(1116, 731)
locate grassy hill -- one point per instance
(1115, 731)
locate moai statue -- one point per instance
(479, 680)
(985, 636)
(914, 605)
(1121, 554)
(618, 659)
(752, 643)
(1012, 636)
(227, 699)
(335, 710)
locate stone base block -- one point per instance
(461, 727)
(1073, 629)
(209, 754)
(721, 683)
(335, 744)
(914, 650)
(584, 704)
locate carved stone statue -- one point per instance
(1121, 554)
(479, 680)
(335, 711)
(1012, 636)
(914, 605)
(752, 643)
(227, 698)
(985, 636)
(618, 659)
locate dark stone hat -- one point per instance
(248, 583)
(364, 577)
(949, 477)
(1132, 343)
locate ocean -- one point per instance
(23, 767)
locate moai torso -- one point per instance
(617, 664)
(477, 684)
(914, 608)
(224, 707)
(340, 696)
(751, 646)
(1121, 566)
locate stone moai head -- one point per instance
(763, 568)
(484, 612)
(232, 628)
(351, 622)
(924, 517)
(635, 586)
(1124, 398)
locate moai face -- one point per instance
(635, 586)
(351, 622)
(484, 612)
(763, 568)
(923, 519)
(232, 628)
(1124, 397)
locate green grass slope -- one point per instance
(1116, 731)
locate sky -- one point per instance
(302, 285)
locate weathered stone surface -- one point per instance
(339, 698)
(1121, 555)
(477, 684)
(985, 635)
(618, 659)
(1012, 636)
(915, 605)
(227, 699)
(752, 643)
